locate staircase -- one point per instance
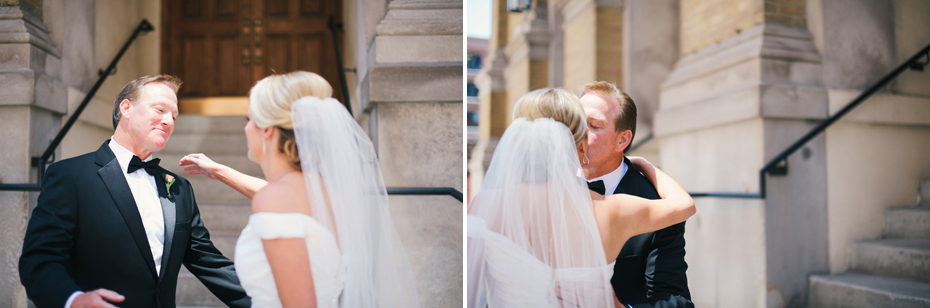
(223, 210)
(890, 272)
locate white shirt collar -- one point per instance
(123, 155)
(612, 179)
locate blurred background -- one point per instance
(397, 65)
(725, 88)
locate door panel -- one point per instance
(222, 47)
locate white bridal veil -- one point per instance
(532, 237)
(348, 197)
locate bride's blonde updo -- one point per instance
(270, 103)
(557, 104)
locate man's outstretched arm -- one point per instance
(214, 270)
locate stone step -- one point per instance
(225, 242)
(897, 258)
(210, 144)
(201, 124)
(224, 217)
(209, 191)
(907, 222)
(192, 292)
(924, 192)
(861, 290)
(238, 161)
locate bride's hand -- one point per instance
(199, 164)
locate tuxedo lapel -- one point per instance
(626, 180)
(118, 187)
(169, 210)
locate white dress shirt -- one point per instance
(145, 193)
(612, 179)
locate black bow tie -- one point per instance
(597, 186)
(150, 166)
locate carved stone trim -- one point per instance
(20, 27)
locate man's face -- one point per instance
(151, 117)
(605, 144)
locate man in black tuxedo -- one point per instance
(650, 270)
(114, 227)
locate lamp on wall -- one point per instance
(517, 6)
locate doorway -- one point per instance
(220, 48)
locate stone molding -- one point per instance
(531, 38)
(440, 82)
(766, 40)
(410, 18)
(21, 27)
(491, 78)
(771, 71)
(572, 9)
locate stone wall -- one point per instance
(32, 101)
(410, 95)
(861, 41)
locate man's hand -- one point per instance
(97, 298)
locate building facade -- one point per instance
(722, 87)
(403, 65)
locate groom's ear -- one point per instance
(626, 137)
(124, 107)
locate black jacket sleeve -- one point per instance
(666, 282)
(44, 266)
(215, 271)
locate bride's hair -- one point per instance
(555, 103)
(270, 103)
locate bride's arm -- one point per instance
(639, 215)
(288, 257)
(199, 164)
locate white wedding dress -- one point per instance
(356, 258)
(532, 235)
(253, 269)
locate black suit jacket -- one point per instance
(650, 270)
(86, 233)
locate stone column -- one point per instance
(527, 55)
(650, 50)
(593, 42)
(748, 83)
(32, 101)
(492, 93)
(415, 80)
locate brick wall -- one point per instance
(705, 22)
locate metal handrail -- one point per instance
(779, 164)
(425, 191)
(333, 26)
(40, 162)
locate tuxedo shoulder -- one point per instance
(80, 160)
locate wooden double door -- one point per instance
(220, 48)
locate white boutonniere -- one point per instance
(169, 180)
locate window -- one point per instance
(472, 90)
(471, 119)
(474, 62)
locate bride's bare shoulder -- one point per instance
(280, 197)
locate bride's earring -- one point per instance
(585, 160)
(263, 147)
